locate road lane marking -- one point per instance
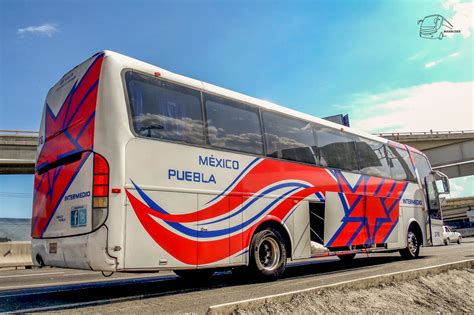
(65, 286)
(35, 274)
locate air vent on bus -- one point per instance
(100, 191)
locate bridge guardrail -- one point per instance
(18, 133)
(426, 133)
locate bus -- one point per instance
(141, 169)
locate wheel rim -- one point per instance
(268, 254)
(412, 243)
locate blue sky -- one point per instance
(319, 57)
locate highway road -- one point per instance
(49, 289)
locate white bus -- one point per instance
(141, 169)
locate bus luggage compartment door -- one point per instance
(344, 220)
(358, 220)
(154, 243)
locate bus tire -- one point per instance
(413, 245)
(346, 257)
(268, 254)
(195, 275)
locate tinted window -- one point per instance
(422, 166)
(372, 158)
(164, 110)
(233, 125)
(336, 149)
(288, 138)
(397, 159)
(406, 163)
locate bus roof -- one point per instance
(134, 64)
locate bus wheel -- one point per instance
(413, 246)
(195, 275)
(268, 254)
(346, 257)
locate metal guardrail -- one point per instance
(426, 133)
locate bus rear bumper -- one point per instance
(88, 252)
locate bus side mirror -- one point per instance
(446, 187)
(420, 21)
(442, 182)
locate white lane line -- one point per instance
(5, 289)
(35, 274)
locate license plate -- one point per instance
(53, 248)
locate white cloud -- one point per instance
(418, 55)
(462, 18)
(435, 106)
(437, 62)
(45, 29)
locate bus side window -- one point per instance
(336, 149)
(422, 166)
(372, 158)
(233, 125)
(396, 162)
(405, 162)
(288, 138)
(164, 110)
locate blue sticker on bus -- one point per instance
(78, 216)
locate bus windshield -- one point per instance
(431, 21)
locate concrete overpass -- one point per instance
(452, 152)
(17, 151)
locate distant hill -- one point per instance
(15, 229)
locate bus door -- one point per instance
(436, 183)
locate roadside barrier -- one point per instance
(15, 254)
(363, 283)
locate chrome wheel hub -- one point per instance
(268, 254)
(412, 243)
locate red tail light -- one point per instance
(100, 191)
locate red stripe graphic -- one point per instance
(373, 226)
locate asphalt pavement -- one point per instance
(49, 289)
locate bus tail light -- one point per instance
(100, 191)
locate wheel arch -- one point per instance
(415, 226)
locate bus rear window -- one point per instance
(164, 110)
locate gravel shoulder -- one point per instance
(449, 292)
